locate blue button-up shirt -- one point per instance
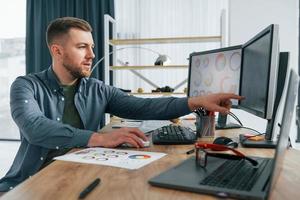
(37, 104)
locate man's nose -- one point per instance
(90, 53)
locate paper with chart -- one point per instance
(112, 157)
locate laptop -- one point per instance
(238, 184)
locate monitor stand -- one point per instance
(221, 123)
(257, 144)
(267, 142)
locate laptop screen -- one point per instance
(289, 108)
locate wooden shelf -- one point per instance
(157, 93)
(166, 40)
(148, 67)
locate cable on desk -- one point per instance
(244, 127)
(236, 118)
(258, 133)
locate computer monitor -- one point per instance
(258, 82)
(215, 71)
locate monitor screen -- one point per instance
(215, 71)
(259, 73)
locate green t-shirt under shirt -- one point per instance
(70, 116)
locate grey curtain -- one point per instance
(41, 12)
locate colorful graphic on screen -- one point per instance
(220, 62)
(235, 61)
(197, 63)
(208, 80)
(220, 74)
(204, 62)
(227, 84)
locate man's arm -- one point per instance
(220, 102)
(125, 106)
(35, 126)
(215, 102)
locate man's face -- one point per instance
(78, 53)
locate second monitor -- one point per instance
(215, 71)
(259, 75)
(250, 70)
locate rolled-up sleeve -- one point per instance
(35, 126)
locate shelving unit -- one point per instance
(170, 40)
(141, 67)
(157, 93)
(113, 42)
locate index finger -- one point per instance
(138, 133)
(233, 96)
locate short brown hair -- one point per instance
(61, 26)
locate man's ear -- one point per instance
(56, 50)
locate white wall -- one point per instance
(248, 17)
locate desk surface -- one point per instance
(65, 180)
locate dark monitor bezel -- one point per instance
(205, 53)
(268, 112)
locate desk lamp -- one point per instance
(161, 59)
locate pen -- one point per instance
(190, 151)
(122, 120)
(89, 188)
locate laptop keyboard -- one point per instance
(235, 174)
(173, 135)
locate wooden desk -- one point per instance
(65, 180)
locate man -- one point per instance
(61, 108)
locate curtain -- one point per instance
(41, 12)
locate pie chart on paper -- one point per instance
(139, 157)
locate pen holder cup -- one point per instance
(205, 126)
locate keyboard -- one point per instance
(233, 174)
(173, 135)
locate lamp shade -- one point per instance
(162, 59)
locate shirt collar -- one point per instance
(53, 81)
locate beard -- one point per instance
(76, 71)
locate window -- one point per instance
(12, 59)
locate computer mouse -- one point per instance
(145, 143)
(225, 141)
